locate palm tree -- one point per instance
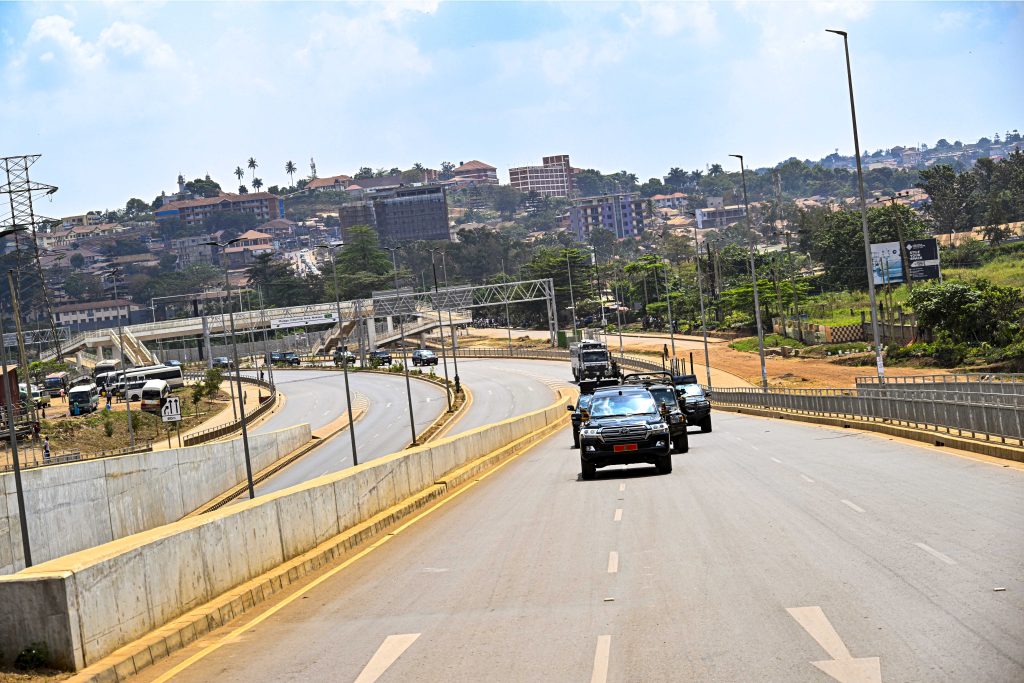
(257, 183)
(423, 171)
(240, 173)
(715, 170)
(253, 165)
(289, 168)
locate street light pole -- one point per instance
(344, 358)
(879, 363)
(440, 328)
(405, 363)
(12, 432)
(796, 299)
(451, 325)
(703, 320)
(671, 323)
(508, 318)
(572, 298)
(238, 373)
(753, 275)
(114, 272)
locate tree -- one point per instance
(289, 168)
(447, 169)
(506, 200)
(257, 184)
(280, 284)
(134, 207)
(950, 202)
(77, 261)
(83, 287)
(715, 170)
(203, 187)
(239, 173)
(312, 169)
(418, 167)
(973, 311)
(363, 172)
(252, 165)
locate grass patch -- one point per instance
(1006, 270)
(749, 344)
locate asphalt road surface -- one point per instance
(775, 552)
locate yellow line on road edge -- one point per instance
(238, 631)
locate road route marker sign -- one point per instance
(171, 410)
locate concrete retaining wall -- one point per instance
(85, 504)
(86, 605)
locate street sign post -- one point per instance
(171, 410)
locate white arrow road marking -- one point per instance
(613, 562)
(389, 651)
(842, 667)
(601, 656)
(935, 553)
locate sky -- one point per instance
(120, 97)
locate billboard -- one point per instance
(303, 320)
(886, 264)
(923, 256)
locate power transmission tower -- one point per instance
(19, 212)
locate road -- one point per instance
(772, 547)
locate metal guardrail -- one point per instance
(30, 459)
(627, 362)
(981, 415)
(213, 433)
(970, 378)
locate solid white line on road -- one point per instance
(530, 388)
(776, 460)
(389, 651)
(807, 479)
(618, 514)
(601, 656)
(935, 553)
(388, 405)
(754, 447)
(852, 506)
(613, 562)
(622, 487)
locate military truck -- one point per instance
(591, 359)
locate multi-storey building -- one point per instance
(676, 200)
(263, 205)
(91, 218)
(552, 179)
(718, 214)
(622, 214)
(93, 315)
(336, 183)
(476, 173)
(191, 251)
(250, 244)
(400, 215)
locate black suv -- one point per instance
(378, 358)
(660, 386)
(223, 362)
(290, 358)
(424, 357)
(344, 358)
(587, 388)
(622, 426)
(696, 403)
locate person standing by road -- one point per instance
(46, 448)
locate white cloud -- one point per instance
(120, 39)
(60, 30)
(695, 19)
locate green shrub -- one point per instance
(108, 425)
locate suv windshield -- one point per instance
(664, 395)
(691, 390)
(622, 405)
(595, 356)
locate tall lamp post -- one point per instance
(238, 372)
(572, 298)
(405, 363)
(703, 320)
(451, 325)
(11, 432)
(113, 273)
(344, 358)
(671, 323)
(440, 325)
(753, 275)
(879, 363)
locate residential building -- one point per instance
(476, 173)
(191, 251)
(551, 179)
(621, 214)
(402, 214)
(281, 231)
(93, 315)
(90, 218)
(718, 215)
(335, 183)
(263, 205)
(676, 200)
(250, 244)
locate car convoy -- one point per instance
(633, 418)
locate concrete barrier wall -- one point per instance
(88, 604)
(85, 504)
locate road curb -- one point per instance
(996, 450)
(142, 653)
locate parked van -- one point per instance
(153, 394)
(83, 399)
(132, 391)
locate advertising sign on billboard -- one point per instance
(303, 320)
(923, 256)
(886, 263)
